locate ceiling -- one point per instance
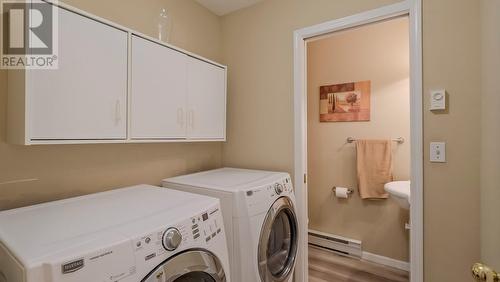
(223, 7)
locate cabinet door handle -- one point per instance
(180, 116)
(118, 114)
(191, 119)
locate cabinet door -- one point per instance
(159, 89)
(86, 97)
(206, 100)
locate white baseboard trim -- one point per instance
(402, 265)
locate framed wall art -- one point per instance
(345, 102)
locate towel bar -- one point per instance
(399, 140)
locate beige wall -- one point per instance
(258, 49)
(379, 53)
(490, 157)
(194, 28)
(64, 171)
(257, 46)
(451, 35)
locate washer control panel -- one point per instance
(165, 240)
(207, 226)
(195, 230)
(154, 247)
(172, 238)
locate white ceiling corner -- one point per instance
(223, 7)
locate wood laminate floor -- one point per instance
(326, 266)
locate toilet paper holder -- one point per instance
(349, 190)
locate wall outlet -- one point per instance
(438, 152)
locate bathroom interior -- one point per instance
(358, 202)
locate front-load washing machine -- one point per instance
(260, 219)
(136, 234)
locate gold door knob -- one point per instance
(482, 273)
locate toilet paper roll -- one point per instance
(341, 192)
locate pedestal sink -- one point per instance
(399, 191)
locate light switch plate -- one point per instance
(438, 152)
(438, 100)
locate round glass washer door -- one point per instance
(189, 266)
(278, 242)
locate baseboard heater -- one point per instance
(335, 243)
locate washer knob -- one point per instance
(172, 238)
(278, 188)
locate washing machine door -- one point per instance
(189, 266)
(278, 242)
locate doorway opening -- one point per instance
(358, 147)
(347, 94)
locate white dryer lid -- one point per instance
(228, 179)
(46, 230)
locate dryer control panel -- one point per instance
(259, 199)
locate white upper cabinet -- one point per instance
(175, 96)
(115, 85)
(158, 92)
(86, 98)
(206, 100)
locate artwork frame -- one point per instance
(345, 102)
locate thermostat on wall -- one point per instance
(438, 100)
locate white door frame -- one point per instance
(407, 7)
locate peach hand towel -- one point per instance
(374, 165)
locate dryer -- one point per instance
(260, 219)
(141, 233)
